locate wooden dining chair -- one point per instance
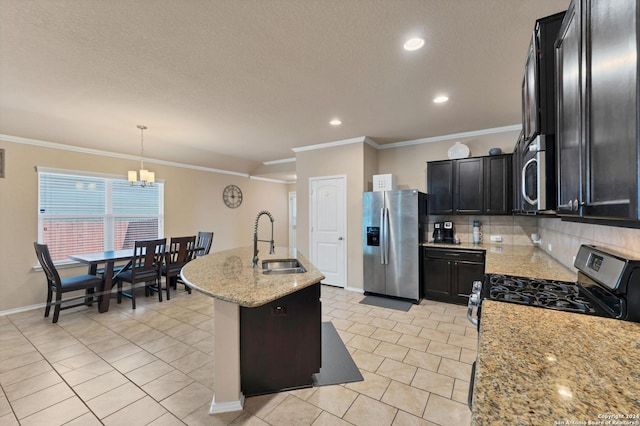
(88, 283)
(181, 251)
(203, 243)
(145, 267)
(202, 247)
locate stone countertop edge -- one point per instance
(540, 366)
(228, 275)
(522, 261)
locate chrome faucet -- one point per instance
(254, 259)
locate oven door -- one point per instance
(533, 180)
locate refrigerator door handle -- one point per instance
(382, 235)
(386, 236)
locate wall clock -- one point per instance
(232, 196)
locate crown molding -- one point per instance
(284, 160)
(370, 142)
(514, 127)
(359, 139)
(54, 145)
(272, 180)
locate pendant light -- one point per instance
(147, 178)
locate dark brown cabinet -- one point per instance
(498, 183)
(449, 273)
(280, 343)
(468, 191)
(598, 110)
(479, 185)
(569, 132)
(440, 187)
(516, 175)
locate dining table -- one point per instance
(107, 258)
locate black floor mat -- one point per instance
(337, 365)
(384, 302)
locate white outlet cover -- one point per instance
(549, 247)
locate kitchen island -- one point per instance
(546, 367)
(241, 295)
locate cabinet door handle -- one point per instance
(524, 183)
(607, 203)
(565, 206)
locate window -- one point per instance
(85, 212)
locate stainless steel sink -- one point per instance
(284, 266)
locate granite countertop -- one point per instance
(523, 261)
(228, 275)
(528, 373)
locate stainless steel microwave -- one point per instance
(537, 180)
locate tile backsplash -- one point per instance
(514, 230)
(562, 240)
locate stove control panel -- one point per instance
(603, 267)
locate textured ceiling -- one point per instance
(232, 83)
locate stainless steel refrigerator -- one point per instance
(394, 224)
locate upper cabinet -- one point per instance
(440, 187)
(498, 191)
(479, 185)
(569, 132)
(468, 184)
(597, 122)
(535, 150)
(538, 87)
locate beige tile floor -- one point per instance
(154, 366)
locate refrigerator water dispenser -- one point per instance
(373, 235)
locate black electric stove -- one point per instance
(608, 285)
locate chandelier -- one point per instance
(147, 178)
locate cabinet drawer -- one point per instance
(455, 254)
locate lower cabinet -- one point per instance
(448, 274)
(280, 343)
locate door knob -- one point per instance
(340, 238)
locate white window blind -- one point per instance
(83, 213)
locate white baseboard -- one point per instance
(22, 309)
(355, 289)
(226, 407)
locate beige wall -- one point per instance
(370, 166)
(408, 163)
(193, 202)
(341, 160)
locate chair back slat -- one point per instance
(180, 250)
(44, 257)
(147, 259)
(205, 239)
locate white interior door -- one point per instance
(293, 218)
(328, 228)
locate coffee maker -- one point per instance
(438, 232)
(443, 232)
(448, 232)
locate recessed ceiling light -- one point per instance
(413, 44)
(441, 99)
(335, 122)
